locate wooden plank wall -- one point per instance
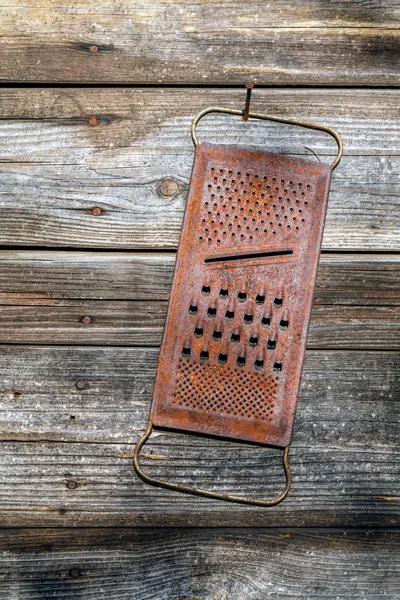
(90, 215)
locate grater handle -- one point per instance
(208, 494)
(251, 115)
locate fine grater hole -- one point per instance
(242, 296)
(284, 324)
(241, 361)
(206, 290)
(198, 332)
(266, 321)
(186, 352)
(260, 299)
(259, 364)
(222, 358)
(271, 344)
(217, 335)
(248, 318)
(253, 341)
(278, 301)
(223, 292)
(247, 394)
(277, 366)
(243, 196)
(204, 355)
(235, 337)
(193, 309)
(212, 311)
(229, 315)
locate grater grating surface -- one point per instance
(234, 340)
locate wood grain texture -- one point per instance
(308, 43)
(55, 168)
(44, 296)
(200, 564)
(344, 457)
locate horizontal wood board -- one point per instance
(55, 168)
(198, 564)
(45, 295)
(344, 456)
(212, 42)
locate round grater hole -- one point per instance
(271, 344)
(266, 321)
(204, 355)
(193, 309)
(242, 296)
(222, 358)
(186, 352)
(241, 361)
(206, 290)
(217, 335)
(253, 341)
(229, 315)
(278, 301)
(277, 366)
(284, 324)
(235, 337)
(198, 332)
(260, 299)
(248, 318)
(212, 311)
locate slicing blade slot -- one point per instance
(246, 256)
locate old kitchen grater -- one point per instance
(235, 335)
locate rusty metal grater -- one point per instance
(235, 335)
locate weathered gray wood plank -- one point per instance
(343, 279)
(347, 486)
(141, 323)
(344, 457)
(55, 168)
(205, 42)
(346, 396)
(192, 564)
(45, 295)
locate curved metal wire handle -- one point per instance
(307, 125)
(200, 492)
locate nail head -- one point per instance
(93, 121)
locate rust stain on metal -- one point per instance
(234, 341)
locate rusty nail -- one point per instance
(93, 49)
(75, 572)
(169, 187)
(81, 384)
(86, 320)
(249, 87)
(93, 121)
(96, 211)
(71, 485)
